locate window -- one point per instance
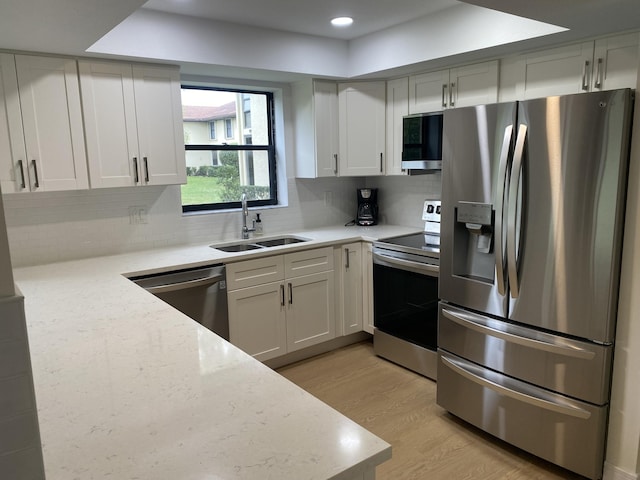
(219, 171)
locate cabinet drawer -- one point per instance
(308, 262)
(549, 361)
(559, 429)
(255, 272)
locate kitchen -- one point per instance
(56, 226)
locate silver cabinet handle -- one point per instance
(512, 215)
(519, 336)
(172, 287)
(528, 398)
(23, 183)
(136, 176)
(503, 181)
(146, 169)
(346, 252)
(335, 161)
(282, 294)
(381, 162)
(585, 82)
(36, 182)
(290, 294)
(599, 72)
(451, 102)
(444, 90)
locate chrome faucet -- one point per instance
(245, 214)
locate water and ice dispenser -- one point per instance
(473, 241)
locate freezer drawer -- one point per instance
(578, 369)
(563, 431)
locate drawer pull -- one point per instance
(467, 321)
(522, 397)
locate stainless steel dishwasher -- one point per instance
(200, 293)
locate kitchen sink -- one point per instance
(255, 245)
(237, 247)
(275, 242)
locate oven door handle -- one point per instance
(389, 261)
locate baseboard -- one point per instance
(317, 350)
(611, 472)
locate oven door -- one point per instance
(406, 312)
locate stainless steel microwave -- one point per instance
(422, 142)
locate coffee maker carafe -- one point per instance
(367, 206)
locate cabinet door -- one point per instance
(367, 287)
(429, 92)
(159, 121)
(397, 108)
(13, 158)
(257, 321)
(352, 299)
(310, 310)
(52, 121)
(325, 113)
(615, 62)
(560, 71)
(362, 128)
(474, 84)
(110, 123)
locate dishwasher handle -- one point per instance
(173, 287)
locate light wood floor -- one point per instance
(400, 407)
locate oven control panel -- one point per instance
(431, 211)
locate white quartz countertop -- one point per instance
(129, 388)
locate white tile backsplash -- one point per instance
(57, 226)
(400, 198)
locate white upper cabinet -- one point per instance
(13, 157)
(42, 138)
(457, 87)
(110, 124)
(133, 123)
(615, 62)
(316, 125)
(397, 108)
(159, 119)
(605, 64)
(361, 109)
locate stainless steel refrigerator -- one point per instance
(533, 197)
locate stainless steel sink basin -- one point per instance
(275, 242)
(237, 247)
(255, 244)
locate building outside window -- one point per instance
(219, 171)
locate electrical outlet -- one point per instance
(328, 199)
(138, 215)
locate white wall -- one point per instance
(623, 447)
(6, 273)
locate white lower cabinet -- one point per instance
(350, 300)
(367, 287)
(282, 303)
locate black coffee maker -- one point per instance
(367, 206)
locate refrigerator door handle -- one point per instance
(468, 321)
(570, 410)
(512, 212)
(500, 209)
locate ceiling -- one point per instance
(311, 17)
(73, 26)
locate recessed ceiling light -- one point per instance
(342, 21)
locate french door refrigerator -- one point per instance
(533, 198)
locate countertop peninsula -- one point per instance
(129, 388)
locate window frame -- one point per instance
(270, 149)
